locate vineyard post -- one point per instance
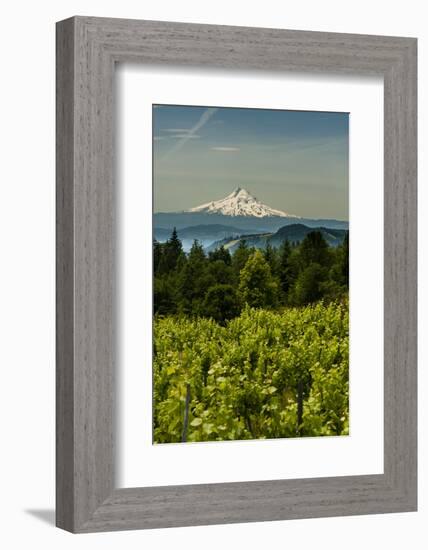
(186, 415)
(299, 406)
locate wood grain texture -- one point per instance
(64, 276)
(87, 49)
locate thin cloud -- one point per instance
(158, 138)
(203, 119)
(226, 149)
(177, 130)
(187, 136)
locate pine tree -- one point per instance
(271, 256)
(193, 282)
(309, 284)
(314, 249)
(344, 263)
(220, 272)
(174, 243)
(220, 254)
(240, 257)
(172, 250)
(285, 267)
(157, 255)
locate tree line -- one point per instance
(220, 284)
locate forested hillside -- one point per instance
(219, 284)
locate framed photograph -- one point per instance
(236, 274)
(251, 328)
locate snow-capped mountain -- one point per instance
(240, 203)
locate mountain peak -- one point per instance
(240, 203)
(240, 192)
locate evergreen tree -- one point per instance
(308, 286)
(344, 260)
(220, 254)
(271, 256)
(164, 296)
(285, 267)
(339, 273)
(221, 303)
(193, 281)
(257, 286)
(314, 249)
(157, 255)
(220, 272)
(240, 257)
(296, 274)
(172, 250)
(174, 243)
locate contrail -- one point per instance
(204, 118)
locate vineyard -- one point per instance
(263, 374)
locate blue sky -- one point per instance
(296, 161)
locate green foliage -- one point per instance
(240, 257)
(271, 256)
(308, 287)
(168, 259)
(164, 296)
(220, 272)
(290, 275)
(157, 255)
(343, 262)
(243, 380)
(285, 269)
(220, 254)
(192, 280)
(257, 286)
(233, 359)
(314, 249)
(221, 303)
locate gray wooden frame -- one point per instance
(87, 50)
